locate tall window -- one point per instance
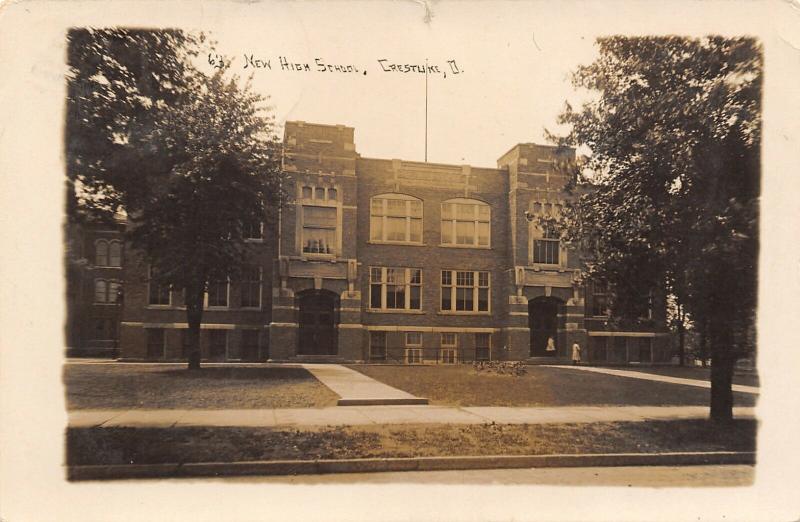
(546, 250)
(395, 218)
(155, 343)
(158, 292)
(449, 348)
(101, 253)
(251, 287)
(377, 346)
(114, 253)
(483, 343)
(413, 347)
(253, 230)
(465, 222)
(249, 345)
(319, 230)
(217, 344)
(465, 291)
(599, 299)
(218, 293)
(395, 288)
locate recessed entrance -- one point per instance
(317, 323)
(543, 322)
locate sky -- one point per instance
(512, 78)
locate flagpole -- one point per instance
(426, 110)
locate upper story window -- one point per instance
(106, 291)
(217, 294)
(547, 249)
(158, 293)
(251, 287)
(395, 288)
(466, 222)
(253, 230)
(108, 253)
(395, 218)
(319, 229)
(319, 215)
(465, 291)
(599, 299)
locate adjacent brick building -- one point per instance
(399, 261)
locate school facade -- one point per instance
(399, 261)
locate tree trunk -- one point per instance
(722, 363)
(194, 317)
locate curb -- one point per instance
(403, 401)
(315, 467)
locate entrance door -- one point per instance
(317, 332)
(543, 322)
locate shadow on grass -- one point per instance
(245, 374)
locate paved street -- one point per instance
(647, 476)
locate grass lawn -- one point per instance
(120, 386)
(695, 372)
(87, 446)
(461, 385)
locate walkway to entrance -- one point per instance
(356, 389)
(661, 378)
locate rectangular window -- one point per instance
(465, 291)
(115, 253)
(253, 230)
(249, 346)
(104, 329)
(155, 343)
(217, 344)
(449, 348)
(377, 346)
(395, 288)
(100, 291)
(319, 230)
(599, 299)
(413, 339)
(466, 223)
(395, 220)
(218, 293)
(158, 292)
(251, 286)
(483, 342)
(546, 251)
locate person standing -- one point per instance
(576, 354)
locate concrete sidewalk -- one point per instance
(655, 377)
(372, 415)
(356, 389)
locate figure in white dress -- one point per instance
(551, 345)
(576, 353)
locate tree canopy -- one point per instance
(674, 130)
(190, 157)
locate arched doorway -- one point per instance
(317, 323)
(543, 319)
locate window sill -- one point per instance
(394, 311)
(106, 304)
(253, 240)
(477, 247)
(309, 256)
(400, 243)
(462, 312)
(251, 308)
(217, 308)
(107, 266)
(160, 307)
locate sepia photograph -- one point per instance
(462, 246)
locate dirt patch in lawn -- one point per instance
(461, 385)
(86, 446)
(119, 386)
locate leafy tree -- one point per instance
(674, 131)
(190, 157)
